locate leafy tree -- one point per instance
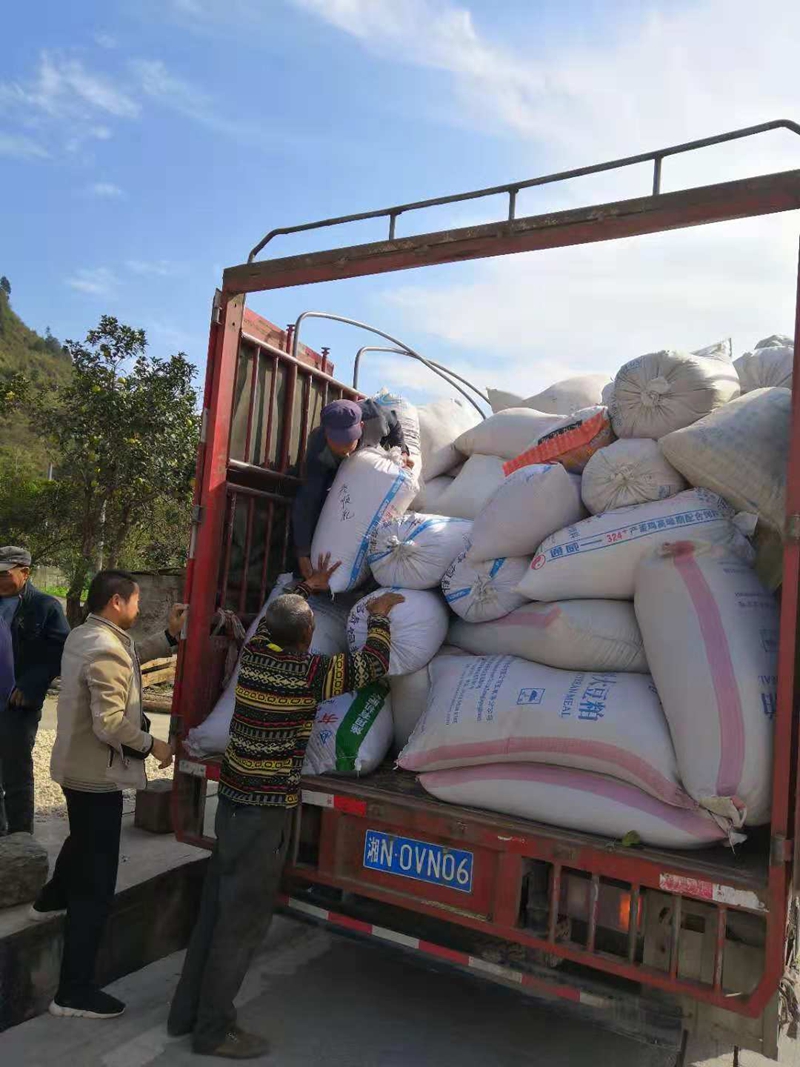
(124, 430)
(5, 285)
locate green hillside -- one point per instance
(42, 361)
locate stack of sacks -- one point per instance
(415, 551)
(571, 442)
(471, 489)
(517, 737)
(440, 424)
(371, 486)
(410, 697)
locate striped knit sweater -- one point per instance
(276, 702)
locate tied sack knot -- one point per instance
(401, 549)
(624, 476)
(654, 390)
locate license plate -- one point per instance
(421, 860)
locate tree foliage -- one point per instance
(5, 285)
(122, 429)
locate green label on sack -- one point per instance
(356, 724)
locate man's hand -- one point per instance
(18, 699)
(319, 579)
(304, 565)
(408, 462)
(384, 603)
(162, 752)
(176, 618)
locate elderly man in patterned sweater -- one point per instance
(280, 685)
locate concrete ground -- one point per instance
(324, 999)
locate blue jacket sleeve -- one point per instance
(34, 680)
(309, 500)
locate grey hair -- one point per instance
(288, 619)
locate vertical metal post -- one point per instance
(633, 923)
(594, 904)
(656, 175)
(248, 544)
(512, 204)
(555, 902)
(719, 946)
(677, 919)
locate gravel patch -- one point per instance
(50, 803)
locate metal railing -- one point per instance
(511, 189)
(400, 347)
(444, 372)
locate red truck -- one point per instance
(653, 943)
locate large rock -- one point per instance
(23, 869)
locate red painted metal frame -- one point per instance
(722, 202)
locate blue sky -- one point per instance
(146, 144)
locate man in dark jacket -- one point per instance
(345, 427)
(38, 632)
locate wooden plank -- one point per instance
(625, 218)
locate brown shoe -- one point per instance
(238, 1045)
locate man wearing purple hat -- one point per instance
(346, 425)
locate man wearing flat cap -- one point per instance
(346, 426)
(38, 631)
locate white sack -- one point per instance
(506, 434)
(414, 552)
(370, 486)
(663, 391)
(472, 488)
(570, 395)
(499, 400)
(740, 451)
(485, 590)
(577, 635)
(710, 631)
(527, 506)
(419, 626)
(501, 709)
(629, 471)
(576, 800)
(598, 557)
(572, 441)
(440, 424)
(770, 364)
(410, 697)
(211, 736)
(429, 492)
(408, 418)
(352, 733)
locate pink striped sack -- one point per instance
(576, 800)
(501, 709)
(710, 632)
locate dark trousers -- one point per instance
(18, 728)
(83, 882)
(235, 912)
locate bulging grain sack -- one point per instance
(630, 471)
(485, 590)
(211, 736)
(501, 709)
(499, 400)
(769, 365)
(740, 451)
(572, 442)
(576, 800)
(370, 486)
(352, 734)
(468, 493)
(408, 418)
(440, 424)
(506, 434)
(419, 626)
(710, 631)
(570, 395)
(664, 391)
(526, 507)
(429, 493)
(577, 635)
(410, 697)
(598, 557)
(413, 552)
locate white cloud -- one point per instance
(96, 281)
(160, 268)
(106, 190)
(157, 82)
(678, 73)
(20, 146)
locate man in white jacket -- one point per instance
(100, 749)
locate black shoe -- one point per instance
(238, 1045)
(91, 1004)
